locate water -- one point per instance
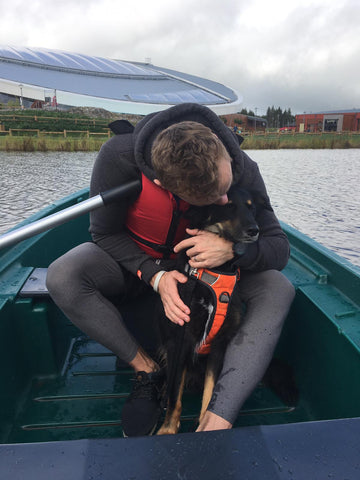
(315, 191)
(32, 181)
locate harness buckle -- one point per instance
(193, 272)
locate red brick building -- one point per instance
(337, 121)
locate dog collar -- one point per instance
(222, 286)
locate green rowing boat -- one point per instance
(61, 393)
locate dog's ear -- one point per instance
(196, 216)
(261, 200)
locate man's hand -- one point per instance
(205, 249)
(175, 308)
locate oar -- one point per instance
(69, 213)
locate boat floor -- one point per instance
(86, 399)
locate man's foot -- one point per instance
(142, 409)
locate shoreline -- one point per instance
(34, 144)
(271, 141)
(268, 141)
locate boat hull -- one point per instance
(62, 392)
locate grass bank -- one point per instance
(83, 143)
(49, 144)
(79, 129)
(301, 141)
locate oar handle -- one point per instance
(120, 191)
(69, 213)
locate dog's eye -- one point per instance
(231, 207)
(250, 205)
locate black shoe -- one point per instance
(142, 409)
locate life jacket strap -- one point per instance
(165, 250)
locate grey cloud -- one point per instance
(309, 62)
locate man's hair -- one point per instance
(185, 158)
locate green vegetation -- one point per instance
(80, 129)
(301, 140)
(51, 121)
(50, 144)
(251, 142)
(75, 131)
(275, 117)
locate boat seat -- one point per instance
(35, 285)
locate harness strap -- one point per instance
(222, 286)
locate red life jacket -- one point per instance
(155, 221)
(222, 286)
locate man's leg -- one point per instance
(80, 283)
(268, 296)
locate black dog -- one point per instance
(183, 346)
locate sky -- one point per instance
(297, 54)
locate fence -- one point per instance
(293, 133)
(42, 118)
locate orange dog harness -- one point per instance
(222, 286)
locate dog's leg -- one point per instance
(209, 385)
(171, 423)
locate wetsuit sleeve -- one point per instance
(272, 250)
(114, 166)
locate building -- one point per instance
(71, 79)
(245, 122)
(333, 121)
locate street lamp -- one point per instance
(21, 96)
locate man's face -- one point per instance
(219, 196)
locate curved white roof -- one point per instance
(128, 87)
(70, 61)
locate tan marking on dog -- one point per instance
(220, 227)
(171, 423)
(216, 228)
(209, 385)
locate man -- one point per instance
(184, 155)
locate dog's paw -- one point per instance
(168, 429)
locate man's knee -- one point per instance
(276, 283)
(66, 274)
(269, 290)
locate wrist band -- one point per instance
(157, 280)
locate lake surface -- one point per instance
(314, 191)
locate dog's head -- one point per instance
(234, 221)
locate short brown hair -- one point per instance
(185, 158)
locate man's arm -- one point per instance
(115, 166)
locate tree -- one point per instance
(278, 118)
(250, 113)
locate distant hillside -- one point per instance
(94, 120)
(105, 114)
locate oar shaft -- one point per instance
(67, 214)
